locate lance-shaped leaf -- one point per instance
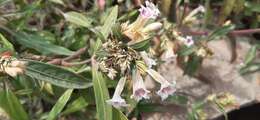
(11, 105)
(107, 27)
(250, 68)
(55, 75)
(220, 32)
(5, 43)
(104, 111)
(226, 10)
(78, 19)
(251, 54)
(76, 105)
(141, 45)
(109, 22)
(57, 1)
(60, 104)
(40, 44)
(118, 115)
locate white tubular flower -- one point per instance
(13, 71)
(191, 15)
(169, 54)
(146, 13)
(135, 30)
(148, 61)
(117, 101)
(139, 90)
(189, 41)
(167, 88)
(152, 27)
(12, 67)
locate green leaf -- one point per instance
(250, 68)
(222, 109)
(252, 6)
(185, 51)
(251, 54)
(220, 32)
(192, 65)
(57, 1)
(98, 34)
(40, 44)
(78, 19)
(6, 43)
(60, 104)
(150, 107)
(208, 16)
(76, 105)
(226, 10)
(55, 75)
(12, 106)
(118, 115)
(142, 45)
(193, 114)
(239, 7)
(178, 99)
(107, 27)
(109, 22)
(104, 111)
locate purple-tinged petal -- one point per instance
(117, 101)
(167, 88)
(149, 11)
(189, 41)
(139, 90)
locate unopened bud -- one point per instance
(152, 27)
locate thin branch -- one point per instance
(234, 32)
(244, 32)
(64, 63)
(59, 61)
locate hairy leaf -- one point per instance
(60, 104)
(76, 105)
(107, 27)
(40, 44)
(5, 43)
(251, 54)
(12, 106)
(104, 111)
(220, 32)
(78, 19)
(118, 115)
(55, 75)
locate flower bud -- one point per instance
(152, 27)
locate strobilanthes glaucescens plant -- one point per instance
(124, 62)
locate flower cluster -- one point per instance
(139, 90)
(11, 66)
(131, 64)
(118, 58)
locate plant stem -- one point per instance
(234, 32)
